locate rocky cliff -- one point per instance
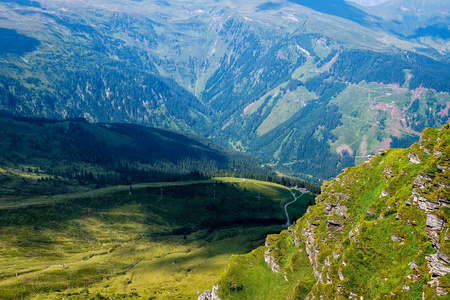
(378, 231)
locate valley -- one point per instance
(110, 243)
(242, 74)
(220, 150)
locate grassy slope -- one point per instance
(136, 246)
(363, 236)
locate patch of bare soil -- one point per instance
(344, 147)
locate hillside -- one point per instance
(161, 241)
(425, 21)
(378, 230)
(40, 156)
(249, 75)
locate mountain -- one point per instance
(378, 230)
(425, 21)
(368, 2)
(309, 87)
(40, 156)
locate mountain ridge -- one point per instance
(241, 70)
(377, 230)
(42, 156)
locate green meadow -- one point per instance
(153, 241)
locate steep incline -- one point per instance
(40, 156)
(379, 231)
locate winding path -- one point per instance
(288, 222)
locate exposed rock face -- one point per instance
(338, 209)
(382, 152)
(312, 252)
(384, 222)
(210, 295)
(438, 263)
(334, 225)
(384, 194)
(270, 260)
(414, 158)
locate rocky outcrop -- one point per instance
(210, 295)
(335, 225)
(414, 158)
(384, 222)
(311, 248)
(270, 260)
(337, 208)
(438, 263)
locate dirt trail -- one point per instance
(288, 221)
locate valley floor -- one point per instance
(139, 245)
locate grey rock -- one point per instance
(395, 239)
(382, 152)
(338, 209)
(444, 199)
(412, 265)
(431, 205)
(414, 158)
(434, 222)
(426, 151)
(433, 236)
(334, 225)
(442, 168)
(422, 179)
(270, 260)
(384, 194)
(443, 257)
(436, 267)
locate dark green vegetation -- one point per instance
(13, 42)
(40, 156)
(378, 231)
(47, 157)
(319, 84)
(161, 241)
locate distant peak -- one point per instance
(368, 2)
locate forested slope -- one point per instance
(44, 156)
(243, 75)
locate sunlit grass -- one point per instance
(141, 245)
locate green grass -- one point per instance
(370, 255)
(372, 113)
(138, 246)
(285, 108)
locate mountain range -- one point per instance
(308, 87)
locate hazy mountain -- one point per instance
(426, 21)
(368, 2)
(309, 87)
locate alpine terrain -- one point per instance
(378, 231)
(308, 87)
(168, 149)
